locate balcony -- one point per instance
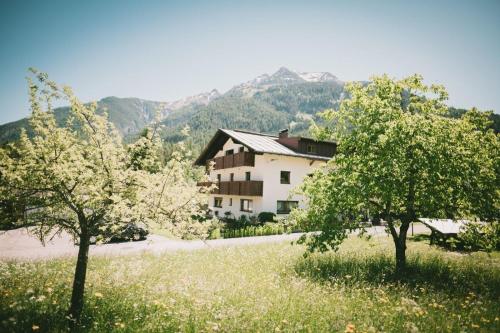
(234, 160)
(241, 187)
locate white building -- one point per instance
(256, 172)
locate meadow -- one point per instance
(264, 288)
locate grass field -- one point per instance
(265, 288)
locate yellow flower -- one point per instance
(474, 326)
(350, 328)
(35, 327)
(98, 295)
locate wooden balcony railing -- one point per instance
(239, 187)
(234, 160)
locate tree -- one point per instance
(81, 179)
(398, 159)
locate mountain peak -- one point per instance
(284, 71)
(291, 75)
(284, 75)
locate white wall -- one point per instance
(235, 208)
(270, 167)
(267, 168)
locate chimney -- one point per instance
(283, 133)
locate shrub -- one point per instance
(267, 217)
(484, 237)
(215, 234)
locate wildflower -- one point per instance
(98, 295)
(474, 326)
(120, 325)
(350, 328)
(35, 327)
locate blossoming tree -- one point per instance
(398, 159)
(81, 179)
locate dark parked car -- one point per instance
(129, 232)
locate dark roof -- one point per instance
(255, 142)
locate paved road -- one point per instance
(21, 245)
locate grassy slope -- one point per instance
(262, 288)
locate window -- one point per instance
(242, 149)
(230, 201)
(219, 177)
(311, 149)
(218, 202)
(230, 152)
(284, 207)
(246, 205)
(285, 177)
(216, 213)
(247, 175)
(231, 177)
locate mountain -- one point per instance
(282, 78)
(267, 103)
(129, 115)
(200, 99)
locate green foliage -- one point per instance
(399, 158)
(80, 178)
(484, 237)
(266, 229)
(423, 271)
(243, 227)
(266, 217)
(262, 288)
(493, 118)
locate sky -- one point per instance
(166, 50)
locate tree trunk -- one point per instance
(400, 257)
(76, 307)
(400, 243)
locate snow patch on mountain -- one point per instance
(283, 76)
(200, 99)
(318, 77)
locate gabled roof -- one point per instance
(255, 142)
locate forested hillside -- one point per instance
(268, 103)
(283, 106)
(129, 115)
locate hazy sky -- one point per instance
(163, 50)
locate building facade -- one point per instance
(257, 173)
